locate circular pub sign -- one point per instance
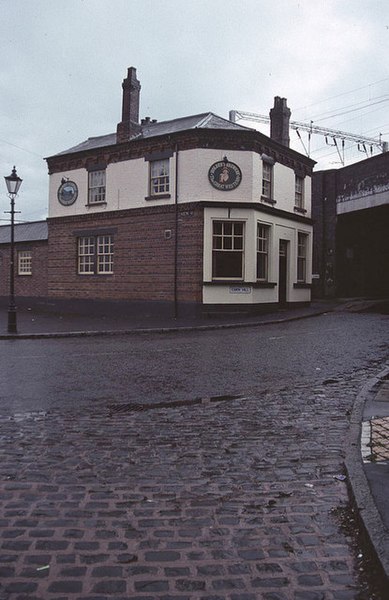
(67, 193)
(225, 175)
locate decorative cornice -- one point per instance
(220, 139)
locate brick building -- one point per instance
(350, 208)
(31, 251)
(198, 213)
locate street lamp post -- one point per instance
(13, 183)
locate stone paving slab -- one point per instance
(237, 500)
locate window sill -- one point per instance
(158, 197)
(226, 282)
(267, 200)
(256, 284)
(301, 285)
(24, 274)
(302, 211)
(264, 284)
(99, 275)
(90, 204)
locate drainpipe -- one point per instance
(176, 237)
(324, 246)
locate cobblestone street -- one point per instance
(231, 499)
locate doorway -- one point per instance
(283, 272)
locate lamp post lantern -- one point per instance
(13, 183)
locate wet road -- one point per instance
(44, 374)
(224, 500)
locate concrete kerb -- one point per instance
(160, 330)
(376, 532)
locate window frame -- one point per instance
(24, 263)
(94, 254)
(97, 191)
(267, 180)
(262, 250)
(159, 184)
(299, 196)
(224, 243)
(302, 256)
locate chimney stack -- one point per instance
(279, 121)
(129, 125)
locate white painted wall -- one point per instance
(193, 176)
(126, 187)
(280, 229)
(127, 183)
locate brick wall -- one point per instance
(364, 175)
(34, 285)
(144, 255)
(324, 190)
(351, 250)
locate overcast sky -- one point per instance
(63, 62)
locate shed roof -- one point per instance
(24, 232)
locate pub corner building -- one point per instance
(197, 214)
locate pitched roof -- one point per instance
(152, 129)
(24, 232)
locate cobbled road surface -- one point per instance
(215, 498)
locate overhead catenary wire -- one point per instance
(20, 148)
(363, 87)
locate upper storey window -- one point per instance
(96, 187)
(299, 193)
(267, 180)
(159, 177)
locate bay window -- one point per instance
(227, 250)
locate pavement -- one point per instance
(367, 448)
(43, 321)
(367, 463)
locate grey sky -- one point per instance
(63, 61)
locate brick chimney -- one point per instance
(129, 125)
(279, 121)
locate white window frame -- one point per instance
(95, 255)
(299, 192)
(104, 254)
(24, 262)
(263, 247)
(267, 180)
(96, 186)
(159, 177)
(228, 237)
(302, 256)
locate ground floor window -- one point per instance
(25, 262)
(95, 255)
(302, 253)
(227, 250)
(263, 233)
